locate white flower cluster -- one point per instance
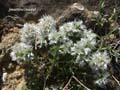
(65, 31)
(102, 81)
(32, 36)
(37, 33)
(100, 60)
(73, 38)
(21, 51)
(48, 24)
(28, 33)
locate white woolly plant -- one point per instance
(98, 62)
(21, 51)
(33, 36)
(72, 38)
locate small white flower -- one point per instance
(89, 34)
(77, 59)
(83, 27)
(83, 42)
(87, 50)
(66, 46)
(77, 49)
(81, 47)
(53, 37)
(30, 55)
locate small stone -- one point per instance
(4, 77)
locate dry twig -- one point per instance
(118, 82)
(81, 83)
(68, 83)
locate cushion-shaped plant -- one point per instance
(72, 39)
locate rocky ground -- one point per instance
(11, 22)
